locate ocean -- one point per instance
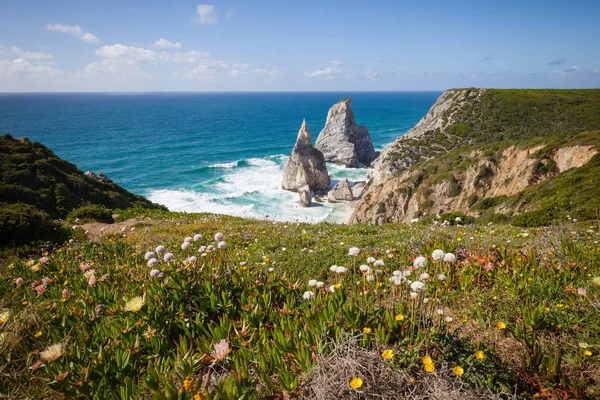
(204, 152)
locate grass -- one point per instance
(282, 335)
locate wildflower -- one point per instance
(308, 295)
(188, 239)
(135, 304)
(583, 345)
(364, 268)
(188, 383)
(38, 334)
(356, 383)
(210, 248)
(582, 291)
(353, 251)
(480, 355)
(459, 371)
(168, 257)
(440, 311)
(379, 263)
(157, 273)
(19, 282)
(219, 237)
(191, 259)
(596, 280)
(388, 354)
(53, 352)
(449, 257)
(501, 325)
(337, 286)
(271, 269)
(44, 260)
(587, 353)
(160, 249)
(319, 284)
(222, 245)
(92, 280)
(371, 260)
(370, 277)
(449, 319)
(420, 262)
(457, 219)
(199, 396)
(65, 293)
(441, 277)
(414, 295)
(367, 330)
(4, 316)
(40, 289)
(399, 317)
(84, 267)
(36, 268)
(185, 245)
(149, 255)
(221, 350)
(437, 254)
(202, 249)
(197, 237)
(341, 270)
(424, 276)
(417, 286)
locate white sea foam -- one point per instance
(255, 191)
(225, 165)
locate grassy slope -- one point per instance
(531, 285)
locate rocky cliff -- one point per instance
(342, 141)
(306, 166)
(483, 152)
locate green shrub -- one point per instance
(91, 213)
(21, 223)
(534, 218)
(451, 217)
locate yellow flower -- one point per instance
(427, 360)
(52, 352)
(596, 280)
(199, 396)
(366, 330)
(501, 325)
(36, 268)
(134, 304)
(24, 302)
(480, 355)
(38, 334)
(66, 283)
(337, 286)
(429, 367)
(399, 317)
(587, 353)
(4, 317)
(388, 354)
(356, 383)
(458, 370)
(188, 383)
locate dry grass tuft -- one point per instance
(330, 379)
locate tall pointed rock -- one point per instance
(342, 141)
(306, 166)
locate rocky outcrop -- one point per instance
(306, 166)
(342, 141)
(341, 191)
(305, 199)
(358, 188)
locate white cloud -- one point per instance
(240, 69)
(206, 14)
(372, 75)
(332, 69)
(130, 54)
(190, 57)
(30, 55)
(73, 30)
(166, 44)
(573, 69)
(267, 71)
(21, 67)
(229, 13)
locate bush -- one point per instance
(451, 217)
(23, 222)
(91, 213)
(532, 219)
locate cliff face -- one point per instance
(478, 152)
(342, 141)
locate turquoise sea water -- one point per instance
(216, 152)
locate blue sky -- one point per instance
(281, 45)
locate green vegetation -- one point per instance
(91, 213)
(37, 187)
(516, 312)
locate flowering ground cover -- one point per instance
(194, 306)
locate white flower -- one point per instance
(378, 271)
(417, 286)
(312, 282)
(219, 237)
(185, 245)
(437, 255)
(202, 249)
(396, 280)
(331, 288)
(271, 269)
(370, 277)
(457, 219)
(333, 268)
(379, 263)
(308, 295)
(396, 273)
(364, 268)
(160, 249)
(414, 295)
(192, 259)
(440, 311)
(188, 239)
(441, 277)
(210, 248)
(414, 220)
(222, 245)
(449, 257)
(424, 276)
(406, 273)
(353, 251)
(341, 270)
(448, 319)
(149, 255)
(242, 263)
(197, 237)
(168, 257)
(152, 262)
(319, 284)
(426, 300)
(370, 260)
(420, 262)
(157, 273)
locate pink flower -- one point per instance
(40, 289)
(488, 266)
(219, 237)
(19, 282)
(222, 245)
(84, 267)
(582, 291)
(65, 293)
(103, 277)
(92, 280)
(44, 260)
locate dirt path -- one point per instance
(97, 230)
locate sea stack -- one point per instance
(342, 141)
(306, 166)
